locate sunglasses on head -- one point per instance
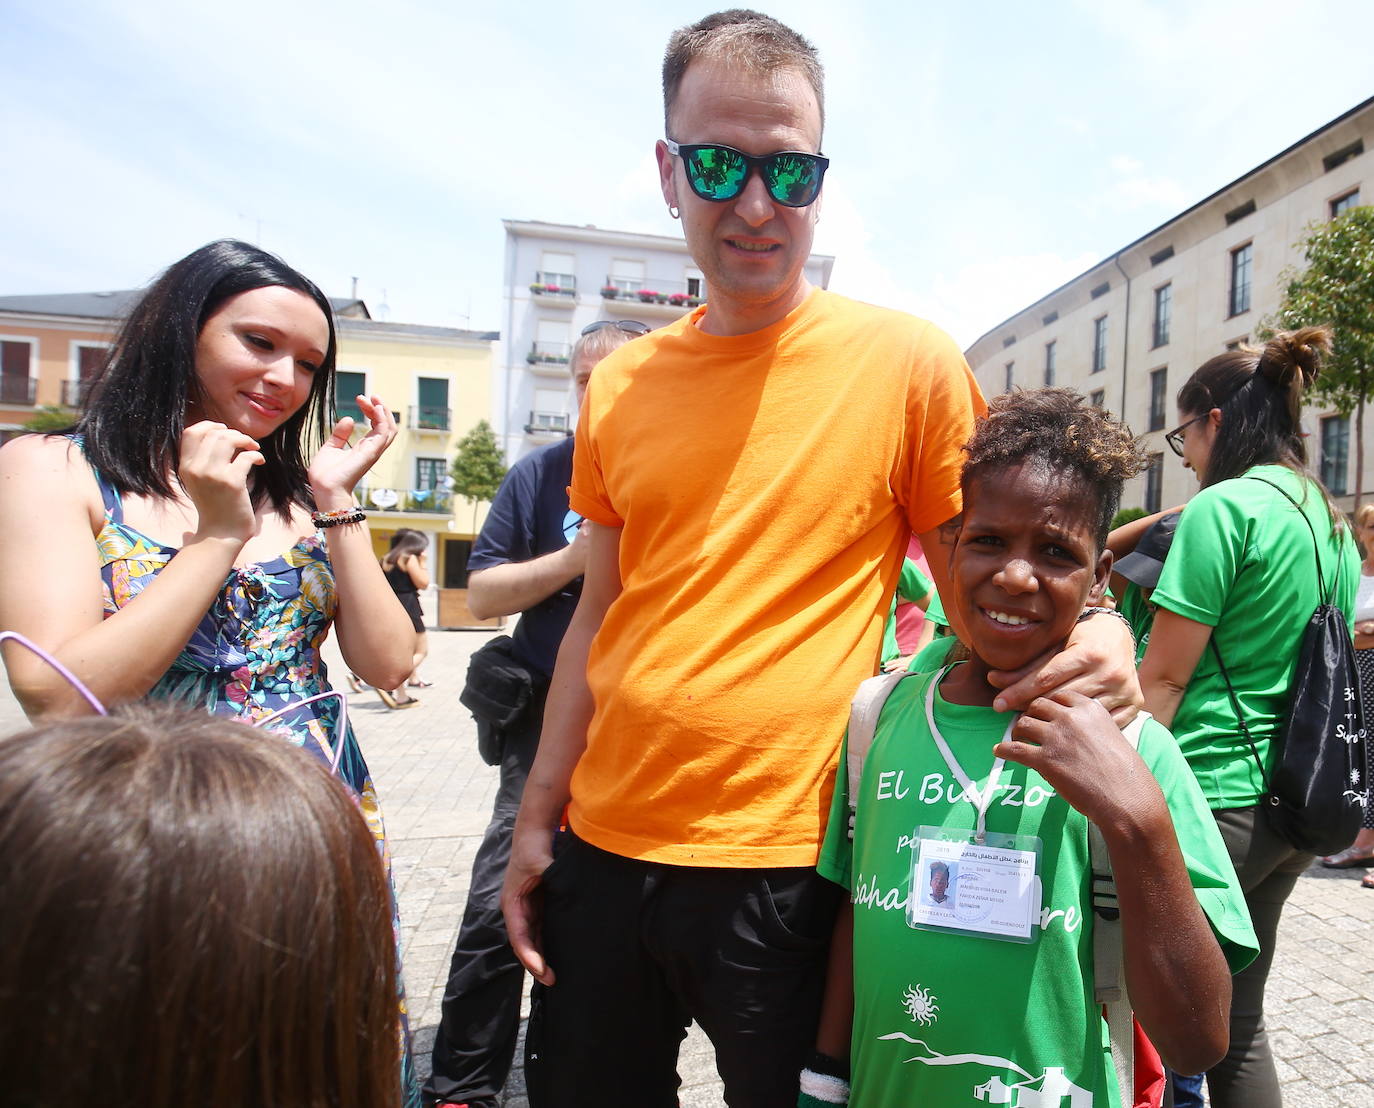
(629, 326)
(719, 173)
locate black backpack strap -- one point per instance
(1316, 549)
(1240, 716)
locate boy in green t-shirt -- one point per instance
(1138, 573)
(962, 969)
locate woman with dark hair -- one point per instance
(404, 568)
(190, 552)
(1236, 592)
(193, 916)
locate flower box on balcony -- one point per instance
(609, 292)
(694, 301)
(678, 299)
(536, 287)
(648, 296)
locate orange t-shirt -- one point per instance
(765, 486)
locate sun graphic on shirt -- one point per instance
(920, 1005)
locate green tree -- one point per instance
(1126, 515)
(1336, 286)
(49, 418)
(477, 467)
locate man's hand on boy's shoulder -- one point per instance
(1097, 661)
(1074, 744)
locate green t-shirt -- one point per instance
(1242, 563)
(1139, 615)
(945, 1019)
(911, 587)
(936, 612)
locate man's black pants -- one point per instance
(639, 949)
(480, 1017)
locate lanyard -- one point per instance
(980, 799)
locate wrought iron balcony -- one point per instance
(426, 417)
(17, 390)
(549, 353)
(555, 286)
(74, 393)
(390, 499)
(633, 291)
(549, 423)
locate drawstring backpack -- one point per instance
(1316, 794)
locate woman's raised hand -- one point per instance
(337, 468)
(213, 468)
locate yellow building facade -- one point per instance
(437, 383)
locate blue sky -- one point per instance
(981, 153)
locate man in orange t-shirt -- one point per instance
(752, 474)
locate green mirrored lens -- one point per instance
(791, 180)
(717, 173)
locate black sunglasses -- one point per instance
(719, 173)
(629, 326)
(1175, 437)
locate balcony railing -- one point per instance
(546, 283)
(17, 390)
(74, 393)
(549, 423)
(426, 417)
(634, 291)
(549, 353)
(435, 501)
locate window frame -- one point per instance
(1162, 324)
(1325, 464)
(1233, 305)
(1157, 414)
(1099, 362)
(1338, 206)
(1154, 484)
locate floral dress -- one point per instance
(256, 651)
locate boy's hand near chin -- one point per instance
(1073, 743)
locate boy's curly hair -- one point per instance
(1058, 428)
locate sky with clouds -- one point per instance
(982, 154)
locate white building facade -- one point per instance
(559, 278)
(1132, 329)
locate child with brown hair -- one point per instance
(195, 913)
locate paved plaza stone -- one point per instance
(437, 794)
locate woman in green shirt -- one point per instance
(1240, 575)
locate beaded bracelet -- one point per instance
(1089, 612)
(338, 518)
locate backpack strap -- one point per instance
(1316, 549)
(864, 711)
(1109, 969)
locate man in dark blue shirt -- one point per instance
(527, 560)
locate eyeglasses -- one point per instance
(629, 326)
(719, 173)
(1175, 437)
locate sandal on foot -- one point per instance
(386, 698)
(408, 702)
(1367, 881)
(355, 684)
(1349, 858)
(418, 684)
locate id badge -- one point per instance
(989, 888)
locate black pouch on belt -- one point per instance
(499, 688)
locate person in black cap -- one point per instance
(1136, 574)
